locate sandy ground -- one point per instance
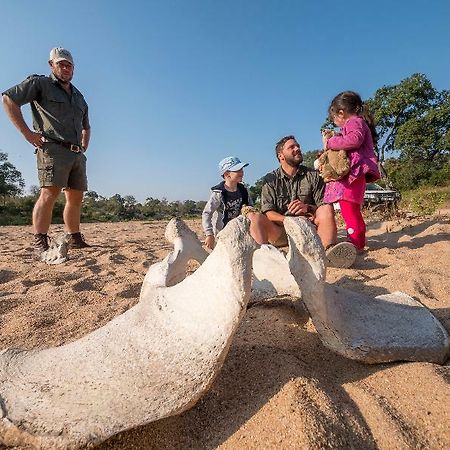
(279, 387)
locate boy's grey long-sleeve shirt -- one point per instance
(213, 212)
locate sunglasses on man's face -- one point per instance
(64, 65)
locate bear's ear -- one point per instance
(323, 158)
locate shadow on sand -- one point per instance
(259, 366)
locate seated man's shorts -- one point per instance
(59, 166)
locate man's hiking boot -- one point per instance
(40, 244)
(76, 240)
(341, 255)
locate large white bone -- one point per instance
(386, 328)
(153, 361)
(392, 327)
(271, 274)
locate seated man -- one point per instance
(296, 190)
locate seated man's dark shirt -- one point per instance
(279, 189)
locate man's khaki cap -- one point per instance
(60, 54)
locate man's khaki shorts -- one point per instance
(59, 166)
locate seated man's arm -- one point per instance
(269, 205)
(274, 216)
(317, 187)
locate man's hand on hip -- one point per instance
(35, 139)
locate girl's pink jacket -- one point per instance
(356, 140)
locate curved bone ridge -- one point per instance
(153, 361)
(386, 328)
(271, 275)
(172, 269)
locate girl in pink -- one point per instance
(357, 138)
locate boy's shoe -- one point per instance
(40, 244)
(341, 256)
(76, 240)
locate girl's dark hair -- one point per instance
(350, 102)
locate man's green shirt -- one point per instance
(279, 189)
(56, 114)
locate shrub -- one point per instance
(426, 200)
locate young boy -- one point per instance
(226, 201)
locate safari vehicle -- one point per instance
(378, 195)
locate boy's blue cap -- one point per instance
(231, 164)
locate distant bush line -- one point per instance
(17, 210)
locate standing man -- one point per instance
(296, 190)
(60, 137)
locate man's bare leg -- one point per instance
(72, 210)
(43, 209)
(326, 225)
(262, 229)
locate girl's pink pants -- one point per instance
(354, 222)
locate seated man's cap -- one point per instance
(231, 164)
(60, 54)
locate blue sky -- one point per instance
(173, 86)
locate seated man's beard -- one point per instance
(291, 161)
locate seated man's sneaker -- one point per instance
(40, 244)
(76, 240)
(341, 256)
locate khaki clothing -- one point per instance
(279, 189)
(58, 166)
(56, 114)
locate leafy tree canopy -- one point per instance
(11, 181)
(412, 119)
(255, 190)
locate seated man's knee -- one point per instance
(257, 218)
(324, 214)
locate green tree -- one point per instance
(11, 181)
(91, 196)
(427, 136)
(152, 207)
(413, 124)
(129, 201)
(412, 118)
(309, 157)
(118, 199)
(189, 208)
(255, 190)
(200, 205)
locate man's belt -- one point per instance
(72, 147)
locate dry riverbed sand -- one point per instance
(279, 387)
